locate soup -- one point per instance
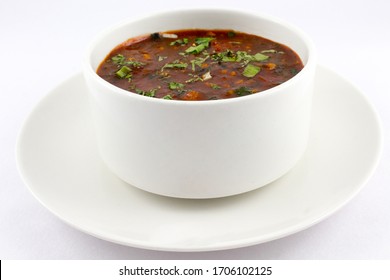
(199, 64)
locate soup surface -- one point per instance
(199, 64)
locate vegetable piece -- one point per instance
(206, 76)
(231, 34)
(176, 86)
(123, 72)
(260, 57)
(251, 70)
(133, 63)
(201, 44)
(149, 93)
(231, 56)
(169, 35)
(118, 59)
(155, 36)
(195, 78)
(294, 71)
(198, 62)
(191, 95)
(204, 41)
(269, 51)
(181, 42)
(168, 97)
(226, 56)
(175, 64)
(270, 66)
(195, 49)
(241, 91)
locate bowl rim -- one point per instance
(309, 66)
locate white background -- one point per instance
(42, 43)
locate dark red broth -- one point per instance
(199, 64)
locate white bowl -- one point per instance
(202, 149)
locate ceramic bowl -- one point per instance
(202, 149)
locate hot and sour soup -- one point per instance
(199, 64)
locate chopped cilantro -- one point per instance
(231, 34)
(260, 57)
(200, 45)
(195, 49)
(294, 71)
(204, 41)
(195, 78)
(175, 64)
(124, 72)
(198, 61)
(180, 42)
(176, 86)
(206, 76)
(241, 91)
(118, 59)
(226, 56)
(251, 70)
(231, 56)
(136, 64)
(269, 51)
(149, 93)
(168, 97)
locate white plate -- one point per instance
(58, 160)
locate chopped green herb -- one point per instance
(196, 49)
(268, 51)
(133, 63)
(242, 55)
(251, 70)
(121, 60)
(215, 86)
(241, 91)
(201, 45)
(161, 58)
(195, 78)
(260, 57)
(181, 42)
(203, 41)
(149, 93)
(176, 86)
(231, 56)
(272, 51)
(226, 56)
(175, 64)
(231, 34)
(118, 59)
(168, 97)
(198, 61)
(294, 71)
(123, 72)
